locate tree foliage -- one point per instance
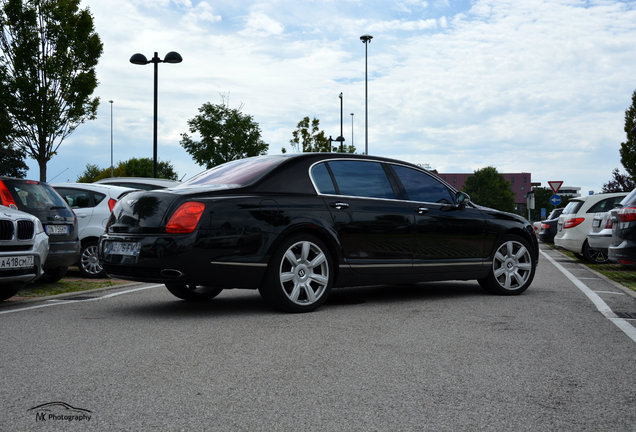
(309, 138)
(47, 72)
(226, 135)
(619, 182)
(490, 189)
(12, 161)
(135, 167)
(628, 148)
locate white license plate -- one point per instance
(57, 229)
(123, 248)
(17, 262)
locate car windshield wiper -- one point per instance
(57, 208)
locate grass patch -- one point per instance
(625, 276)
(65, 286)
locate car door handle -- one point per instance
(339, 205)
(422, 210)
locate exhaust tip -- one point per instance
(171, 273)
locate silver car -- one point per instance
(600, 236)
(24, 247)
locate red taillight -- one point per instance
(545, 226)
(111, 203)
(627, 214)
(186, 218)
(571, 223)
(608, 223)
(5, 196)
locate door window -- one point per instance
(422, 187)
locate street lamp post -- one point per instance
(140, 59)
(366, 39)
(341, 137)
(351, 129)
(111, 137)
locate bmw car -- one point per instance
(296, 226)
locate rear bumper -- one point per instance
(624, 253)
(62, 254)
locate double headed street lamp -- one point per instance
(140, 59)
(366, 39)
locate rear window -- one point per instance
(31, 196)
(236, 173)
(572, 207)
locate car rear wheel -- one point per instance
(191, 292)
(512, 269)
(299, 276)
(89, 264)
(597, 256)
(9, 290)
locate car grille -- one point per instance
(25, 231)
(6, 230)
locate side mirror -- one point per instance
(461, 198)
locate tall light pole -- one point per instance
(366, 39)
(111, 137)
(351, 129)
(140, 59)
(341, 137)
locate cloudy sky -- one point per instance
(537, 86)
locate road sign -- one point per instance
(555, 200)
(555, 186)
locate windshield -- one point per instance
(235, 173)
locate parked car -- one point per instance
(622, 247)
(600, 236)
(145, 183)
(294, 226)
(576, 221)
(24, 247)
(549, 226)
(59, 221)
(92, 203)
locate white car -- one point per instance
(92, 203)
(576, 222)
(24, 247)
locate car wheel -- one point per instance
(299, 276)
(9, 290)
(89, 264)
(597, 256)
(52, 275)
(512, 269)
(191, 292)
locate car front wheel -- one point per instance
(299, 276)
(512, 269)
(597, 256)
(190, 292)
(9, 290)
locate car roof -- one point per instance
(141, 180)
(95, 187)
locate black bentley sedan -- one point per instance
(294, 226)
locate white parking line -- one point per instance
(63, 302)
(602, 307)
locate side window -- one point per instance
(98, 197)
(422, 187)
(322, 179)
(361, 178)
(75, 198)
(604, 205)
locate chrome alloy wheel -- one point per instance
(512, 265)
(89, 261)
(304, 273)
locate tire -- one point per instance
(194, 293)
(512, 269)
(89, 265)
(597, 256)
(299, 276)
(9, 290)
(52, 275)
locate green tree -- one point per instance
(309, 138)
(619, 182)
(490, 189)
(12, 161)
(628, 148)
(49, 53)
(135, 167)
(226, 135)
